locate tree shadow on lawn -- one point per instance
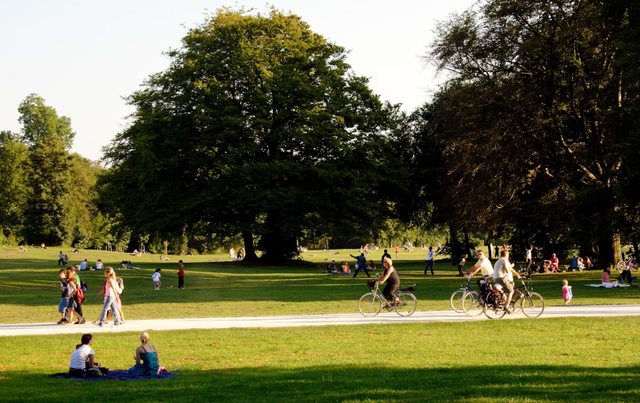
(490, 383)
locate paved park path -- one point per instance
(305, 320)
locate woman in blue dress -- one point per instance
(149, 356)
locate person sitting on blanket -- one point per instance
(149, 355)
(605, 279)
(83, 358)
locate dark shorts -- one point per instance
(72, 303)
(506, 285)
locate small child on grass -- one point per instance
(180, 274)
(567, 294)
(156, 279)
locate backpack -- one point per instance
(83, 286)
(80, 295)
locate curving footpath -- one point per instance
(305, 320)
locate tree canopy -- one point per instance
(535, 119)
(258, 127)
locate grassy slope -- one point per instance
(225, 289)
(544, 360)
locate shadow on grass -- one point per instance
(490, 383)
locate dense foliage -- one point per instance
(537, 120)
(259, 128)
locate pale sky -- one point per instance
(84, 56)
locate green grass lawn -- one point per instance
(227, 289)
(524, 360)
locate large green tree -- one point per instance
(534, 131)
(40, 121)
(258, 127)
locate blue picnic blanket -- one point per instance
(119, 375)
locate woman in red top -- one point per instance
(180, 274)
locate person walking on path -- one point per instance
(361, 264)
(430, 259)
(180, 274)
(111, 297)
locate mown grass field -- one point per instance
(523, 360)
(227, 289)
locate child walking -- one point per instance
(567, 294)
(180, 274)
(156, 279)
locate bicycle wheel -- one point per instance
(472, 304)
(370, 305)
(456, 300)
(620, 266)
(408, 304)
(532, 305)
(493, 311)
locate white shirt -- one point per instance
(500, 268)
(79, 357)
(485, 266)
(528, 254)
(156, 276)
(430, 255)
(99, 266)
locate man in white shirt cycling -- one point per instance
(500, 269)
(484, 265)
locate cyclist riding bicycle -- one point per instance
(390, 275)
(484, 265)
(500, 270)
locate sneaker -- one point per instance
(98, 324)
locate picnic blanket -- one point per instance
(602, 286)
(119, 375)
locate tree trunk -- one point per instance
(467, 244)
(617, 249)
(635, 246)
(249, 249)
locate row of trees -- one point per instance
(260, 133)
(48, 195)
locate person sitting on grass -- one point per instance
(99, 265)
(372, 266)
(605, 279)
(149, 356)
(345, 268)
(83, 359)
(554, 264)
